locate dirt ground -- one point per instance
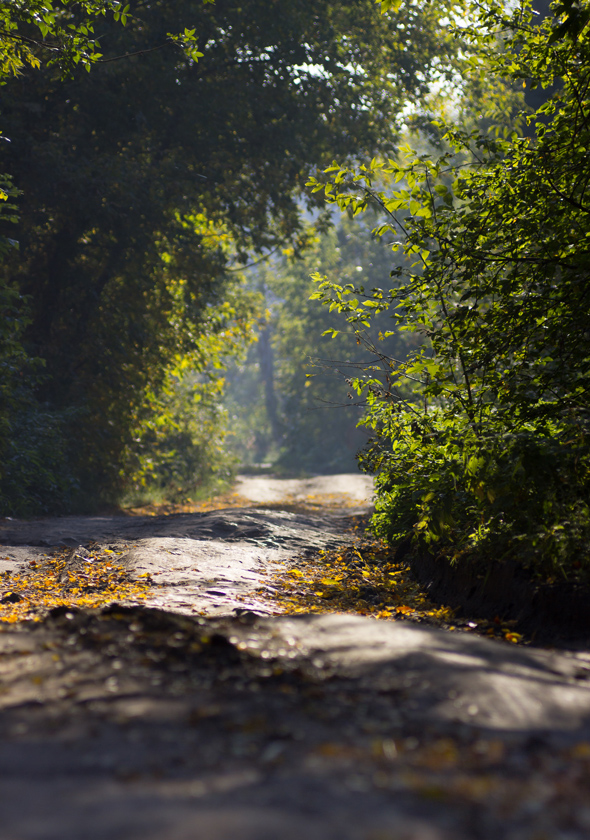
(196, 715)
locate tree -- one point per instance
(61, 34)
(299, 368)
(128, 172)
(490, 457)
(32, 450)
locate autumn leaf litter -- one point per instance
(82, 579)
(365, 579)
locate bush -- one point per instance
(490, 456)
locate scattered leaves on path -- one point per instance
(360, 578)
(227, 500)
(365, 579)
(311, 503)
(66, 579)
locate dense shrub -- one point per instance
(491, 455)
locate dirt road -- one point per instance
(167, 724)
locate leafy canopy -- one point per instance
(129, 174)
(54, 38)
(62, 34)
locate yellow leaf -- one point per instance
(581, 750)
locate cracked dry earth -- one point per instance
(196, 716)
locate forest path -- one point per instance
(163, 724)
(203, 560)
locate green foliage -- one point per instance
(179, 452)
(490, 455)
(33, 454)
(178, 449)
(318, 411)
(147, 182)
(290, 401)
(34, 472)
(61, 34)
(36, 452)
(36, 475)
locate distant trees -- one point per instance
(144, 180)
(490, 456)
(314, 428)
